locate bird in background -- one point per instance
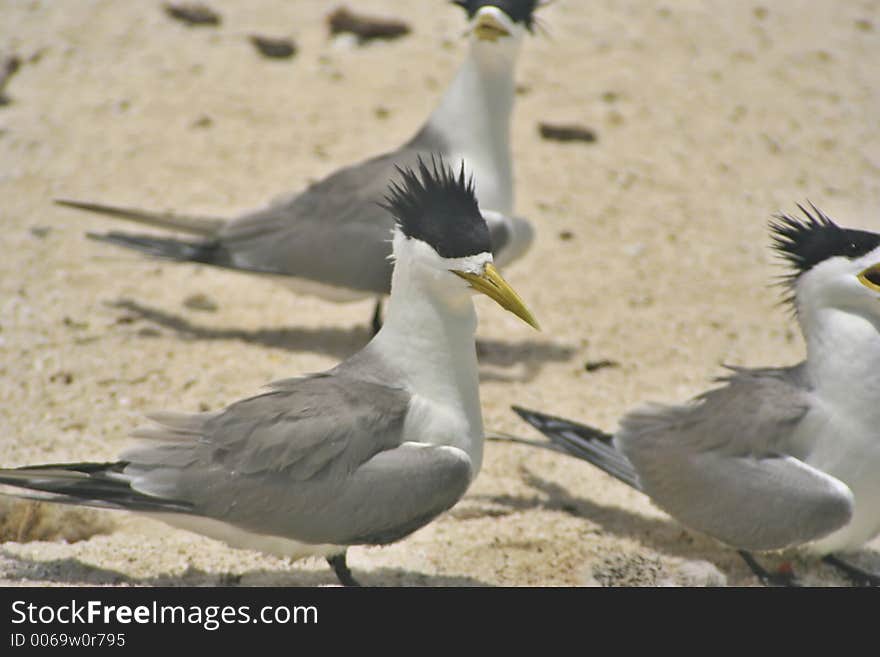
(777, 457)
(362, 454)
(331, 240)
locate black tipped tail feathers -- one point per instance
(210, 253)
(102, 485)
(544, 423)
(204, 248)
(584, 442)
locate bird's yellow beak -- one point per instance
(495, 287)
(489, 28)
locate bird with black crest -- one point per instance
(362, 454)
(777, 457)
(331, 239)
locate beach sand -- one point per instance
(651, 253)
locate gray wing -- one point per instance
(318, 460)
(723, 464)
(334, 232)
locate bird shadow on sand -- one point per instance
(73, 572)
(519, 361)
(336, 342)
(664, 535)
(499, 360)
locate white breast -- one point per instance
(446, 423)
(850, 452)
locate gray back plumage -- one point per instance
(348, 232)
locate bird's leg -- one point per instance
(768, 579)
(377, 316)
(856, 575)
(337, 563)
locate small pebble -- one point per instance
(566, 132)
(62, 377)
(610, 97)
(200, 302)
(272, 47)
(72, 323)
(192, 13)
(596, 365)
(204, 121)
(366, 28)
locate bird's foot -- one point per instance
(783, 577)
(855, 574)
(340, 567)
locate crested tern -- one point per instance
(331, 240)
(365, 453)
(777, 457)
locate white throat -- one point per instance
(428, 336)
(473, 118)
(843, 358)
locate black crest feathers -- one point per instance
(520, 11)
(438, 207)
(804, 243)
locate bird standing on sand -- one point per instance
(331, 240)
(365, 453)
(776, 457)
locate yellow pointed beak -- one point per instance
(495, 287)
(488, 28)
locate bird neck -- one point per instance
(428, 336)
(432, 329)
(843, 356)
(473, 118)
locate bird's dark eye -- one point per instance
(870, 278)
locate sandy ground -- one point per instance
(711, 116)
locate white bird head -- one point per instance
(832, 267)
(441, 236)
